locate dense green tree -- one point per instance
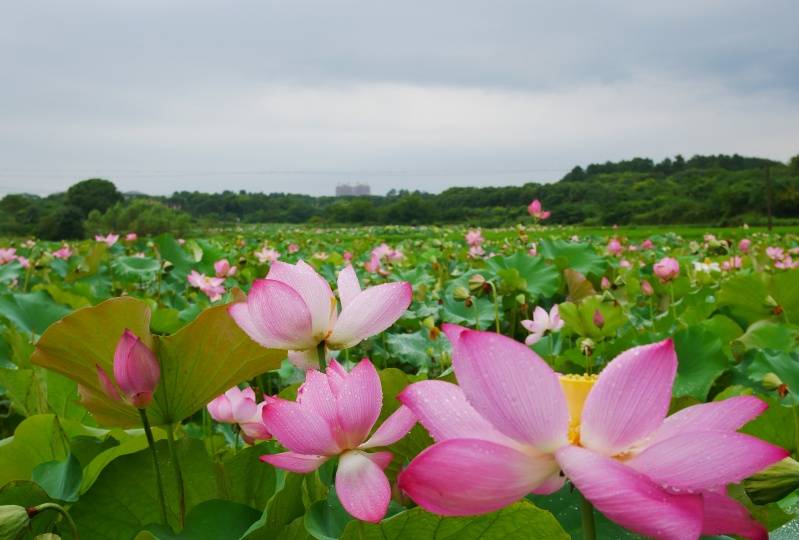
(63, 223)
(93, 194)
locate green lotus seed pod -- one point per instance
(461, 293)
(774, 483)
(13, 520)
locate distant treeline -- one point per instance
(712, 190)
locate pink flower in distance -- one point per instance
(64, 252)
(614, 247)
(110, 239)
(733, 263)
(223, 269)
(267, 255)
(293, 248)
(666, 269)
(7, 255)
(542, 323)
(25, 263)
(333, 416)
(647, 244)
(240, 407)
(211, 286)
(474, 237)
(476, 252)
(347, 256)
(136, 372)
(604, 283)
(131, 237)
(646, 288)
(513, 425)
(536, 210)
(533, 250)
(744, 245)
(775, 253)
(294, 308)
(373, 264)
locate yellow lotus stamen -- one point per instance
(576, 389)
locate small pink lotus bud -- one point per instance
(604, 283)
(646, 288)
(647, 244)
(598, 319)
(131, 237)
(744, 245)
(136, 370)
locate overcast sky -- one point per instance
(298, 96)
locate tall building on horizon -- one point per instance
(353, 190)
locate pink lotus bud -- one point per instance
(598, 319)
(131, 237)
(646, 288)
(744, 245)
(647, 244)
(614, 247)
(136, 370)
(604, 283)
(347, 256)
(666, 269)
(293, 248)
(536, 210)
(221, 267)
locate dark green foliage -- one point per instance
(63, 223)
(143, 216)
(93, 194)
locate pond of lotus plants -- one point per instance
(401, 383)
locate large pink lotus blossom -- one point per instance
(136, 372)
(474, 237)
(267, 255)
(295, 309)
(211, 286)
(240, 407)
(666, 269)
(64, 252)
(333, 416)
(223, 269)
(7, 255)
(536, 210)
(514, 424)
(110, 239)
(542, 323)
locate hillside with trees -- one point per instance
(710, 190)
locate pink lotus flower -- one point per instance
(775, 253)
(238, 406)
(733, 263)
(646, 288)
(785, 264)
(604, 283)
(382, 251)
(542, 323)
(533, 250)
(333, 416)
(647, 244)
(25, 263)
(614, 247)
(474, 237)
(64, 252)
(666, 269)
(110, 239)
(131, 237)
(744, 245)
(373, 265)
(476, 252)
(136, 371)
(347, 256)
(624, 263)
(536, 210)
(210, 286)
(223, 269)
(295, 309)
(7, 255)
(293, 248)
(396, 255)
(514, 424)
(267, 254)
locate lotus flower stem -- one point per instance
(587, 514)
(159, 482)
(170, 437)
(52, 506)
(320, 353)
(496, 306)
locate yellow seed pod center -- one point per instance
(576, 389)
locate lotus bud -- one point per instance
(646, 288)
(598, 319)
(13, 520)
(476, 282)
(461, 293)
(587, 346)
(136, 372)
(773, 483)
(520, 299)
(604, 283)
(771, 381)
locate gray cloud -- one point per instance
(297, 96)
